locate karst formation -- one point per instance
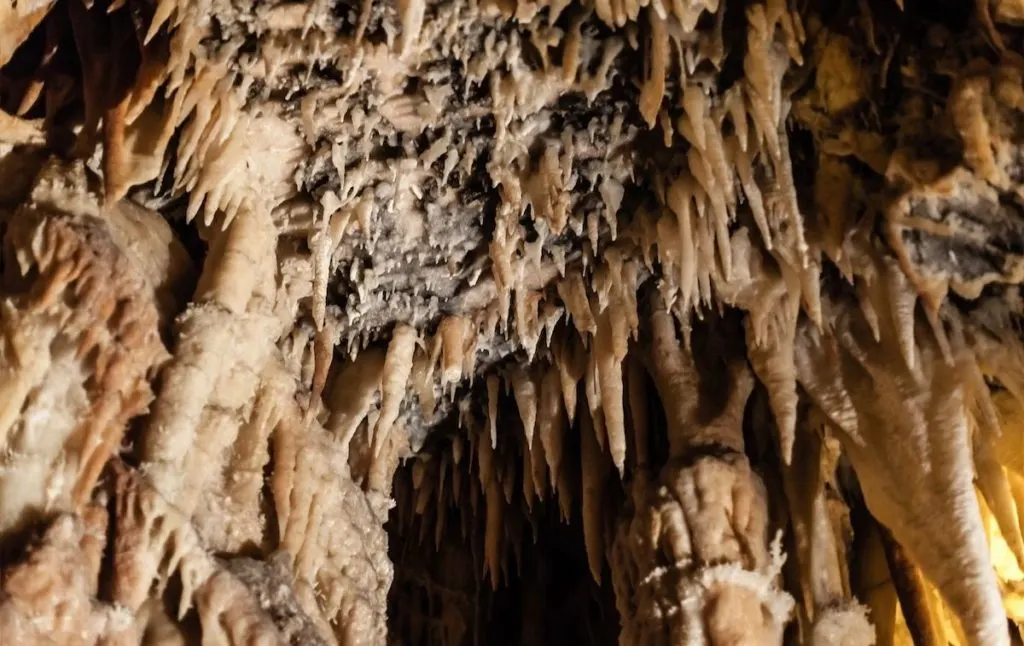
(511, 322)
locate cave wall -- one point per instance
(504, 321)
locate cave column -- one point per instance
(691, 560)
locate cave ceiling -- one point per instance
(512, 321)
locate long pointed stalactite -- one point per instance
(512, 321)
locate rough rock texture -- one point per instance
(511, 321)
(692, 554)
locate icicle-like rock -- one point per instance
(593, 466)
(551, 422)
(493, 383)
(570, 363)
(524, 389)
(395, 376)
(610, 382)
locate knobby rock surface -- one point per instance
(451, 322)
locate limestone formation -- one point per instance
(512, 322)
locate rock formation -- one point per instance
(512, 321)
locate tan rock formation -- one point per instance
(511, 321)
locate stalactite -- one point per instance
(273, 275)
(931, 431)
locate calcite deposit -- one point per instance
(690, 323)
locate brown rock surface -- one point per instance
(511, 321)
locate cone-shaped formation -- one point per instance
(630, 288)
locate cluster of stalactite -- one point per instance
(728, 288)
